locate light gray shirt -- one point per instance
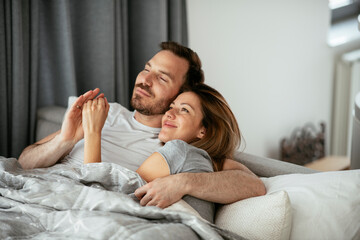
(183, 157)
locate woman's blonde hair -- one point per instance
(222, 135)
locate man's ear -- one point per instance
(201, 133)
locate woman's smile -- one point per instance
(183, 120)
(169, 124)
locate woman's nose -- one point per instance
(170, 114)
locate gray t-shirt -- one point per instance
(183, 157)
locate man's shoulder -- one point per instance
(117, 108)
(117, 112)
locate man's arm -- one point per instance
(45, 152)
(234, 183)
(52, 148)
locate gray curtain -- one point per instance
(50, 50)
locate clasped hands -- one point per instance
(86, 115)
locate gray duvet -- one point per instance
(93, 201)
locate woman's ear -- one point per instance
(201, 133)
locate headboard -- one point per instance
(49, 120)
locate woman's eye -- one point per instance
(184, 110)
(146, 70)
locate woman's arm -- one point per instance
(92, 147)
(94, 115)
(153, 167)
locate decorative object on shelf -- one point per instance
(305, 145)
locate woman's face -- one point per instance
(183, 119)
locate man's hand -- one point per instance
(71, 129)
(162, 192)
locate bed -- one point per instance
(96, 201)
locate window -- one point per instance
(344, 9)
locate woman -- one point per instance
(202, 118)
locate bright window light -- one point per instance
(333, 4)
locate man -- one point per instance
(171, 69)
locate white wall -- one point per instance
(271, 62)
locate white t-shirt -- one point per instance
(124, 140)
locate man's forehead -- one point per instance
(163, 71)
(167, 61)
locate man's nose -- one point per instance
(148, 79)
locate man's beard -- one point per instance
(149, 107)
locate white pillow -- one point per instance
(325, 205)
(264, 217)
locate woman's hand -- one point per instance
(94, 114)
(72, 129)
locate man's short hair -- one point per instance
(195, 74)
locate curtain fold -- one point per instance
(18, 76)
(5, 60)
(50, 50)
